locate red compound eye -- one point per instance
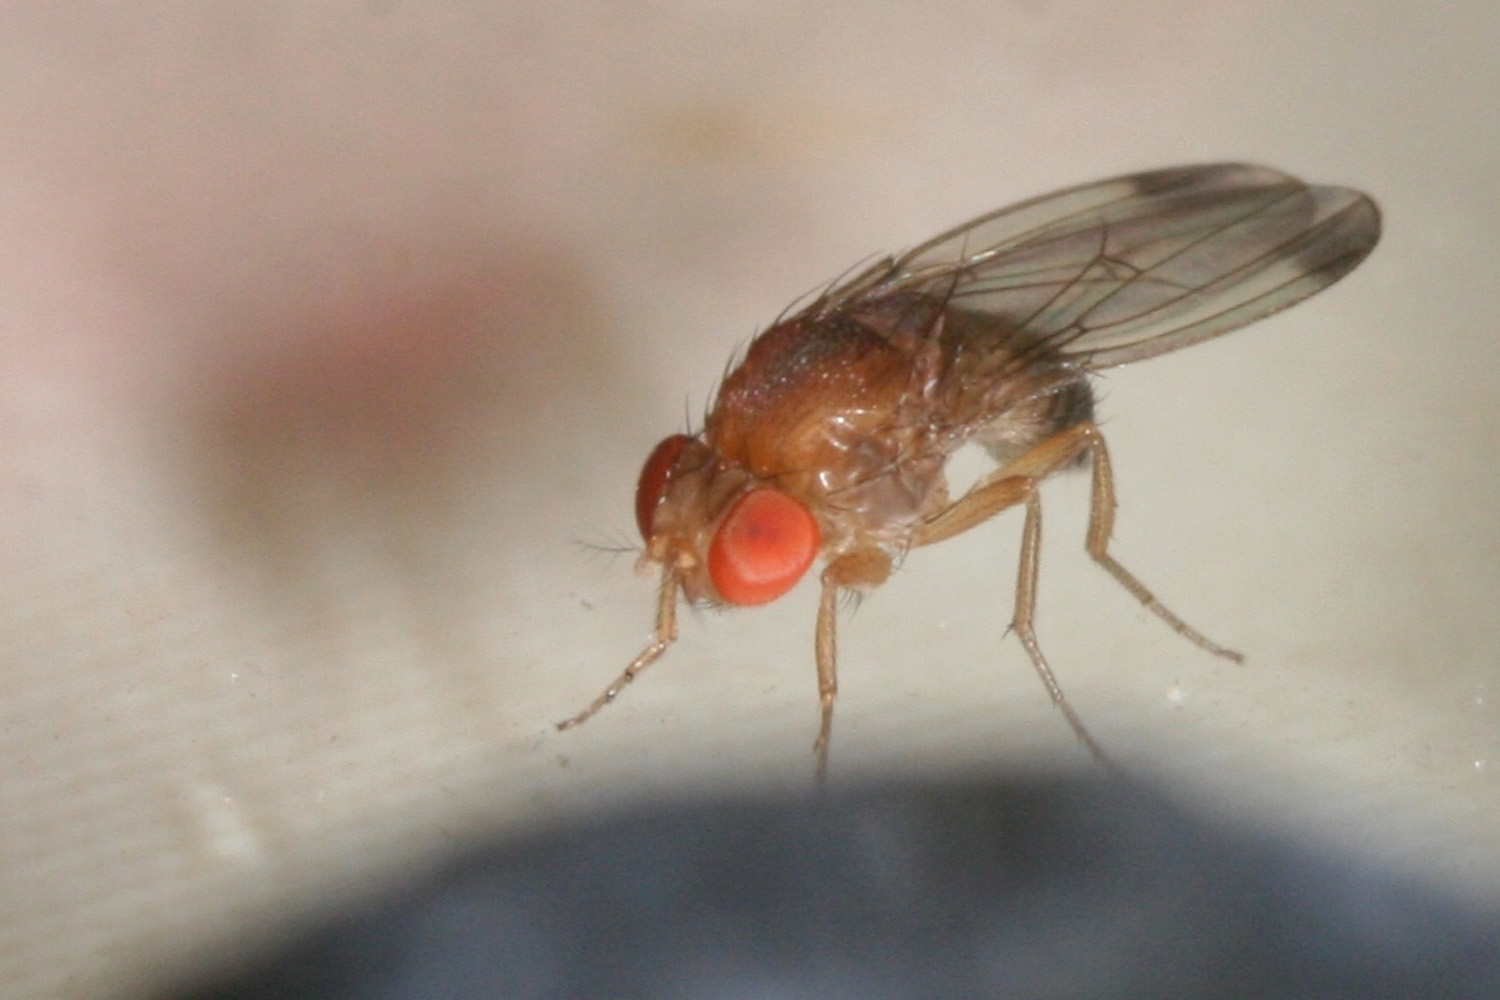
(762, 548)
(652, 486)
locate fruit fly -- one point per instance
(831, 436)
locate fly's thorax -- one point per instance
(807, 393)
(885, 505)
(835, 409)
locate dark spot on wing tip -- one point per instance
(1206, 178)
(1352, 230)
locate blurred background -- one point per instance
(331, 330)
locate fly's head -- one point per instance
(727, 537)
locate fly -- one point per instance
(832, 435)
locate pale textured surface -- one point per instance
(329, 328)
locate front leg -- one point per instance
(665, 635)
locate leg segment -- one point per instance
(826, 647)
(1101, 524)
(666, 634)
(860, 570)
(1023, 622)
(1018, 482)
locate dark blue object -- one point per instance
(1068, 889)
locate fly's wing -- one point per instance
(1128, 268)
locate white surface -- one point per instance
(329, 328)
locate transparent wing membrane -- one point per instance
(1136, 266)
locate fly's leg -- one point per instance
(666, 634)
(1001, 491)
(1101, 524)
(825, 643)
(1017, 483)
(1023, 621)
(859, 570)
